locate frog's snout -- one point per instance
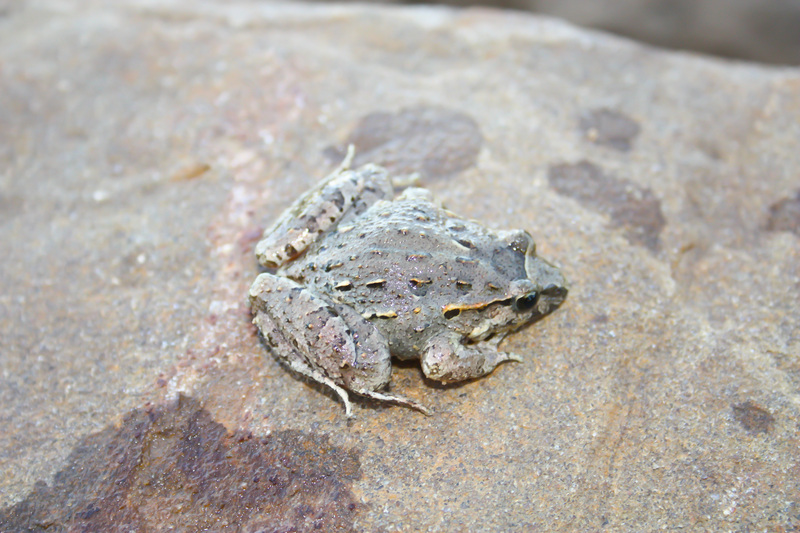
(555, 291)
(544, 273)
(552, 282)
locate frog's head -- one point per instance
(544, 287)
(535, 288)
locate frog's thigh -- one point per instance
(447, 360)
(372, 368)
(304, 330)
(343, 195)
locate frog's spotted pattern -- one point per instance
(361, 276)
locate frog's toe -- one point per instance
(418, 194)
(406, 181)
(507, 356)
(348, 406)
(400, 400)
(497, 358)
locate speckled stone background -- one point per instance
(143, 147)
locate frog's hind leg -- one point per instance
(328, 342)
(340, 197)
(304, 331)
(289, 355)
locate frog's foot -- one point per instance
(512, 357)
(330, 343)
(400, 400)
(447, 360)
(405, 181)
(347, 161)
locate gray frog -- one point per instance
(358, 276)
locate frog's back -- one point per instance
(404, 263)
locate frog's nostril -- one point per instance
(554, 290)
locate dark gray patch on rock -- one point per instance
(784, 215)
(631, 207)
(609, 128)
(434, 141)
(753, 418)
(172, 467)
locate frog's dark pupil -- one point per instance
(525, 303)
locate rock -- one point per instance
(144, 145)
(755, 30)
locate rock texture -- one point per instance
(143, 147)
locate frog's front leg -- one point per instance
(447, 360)
(338, 198)
(331, 344)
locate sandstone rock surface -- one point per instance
(143, 147)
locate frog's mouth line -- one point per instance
(487, 330)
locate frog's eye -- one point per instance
(526, 303)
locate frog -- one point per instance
(355, 274)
